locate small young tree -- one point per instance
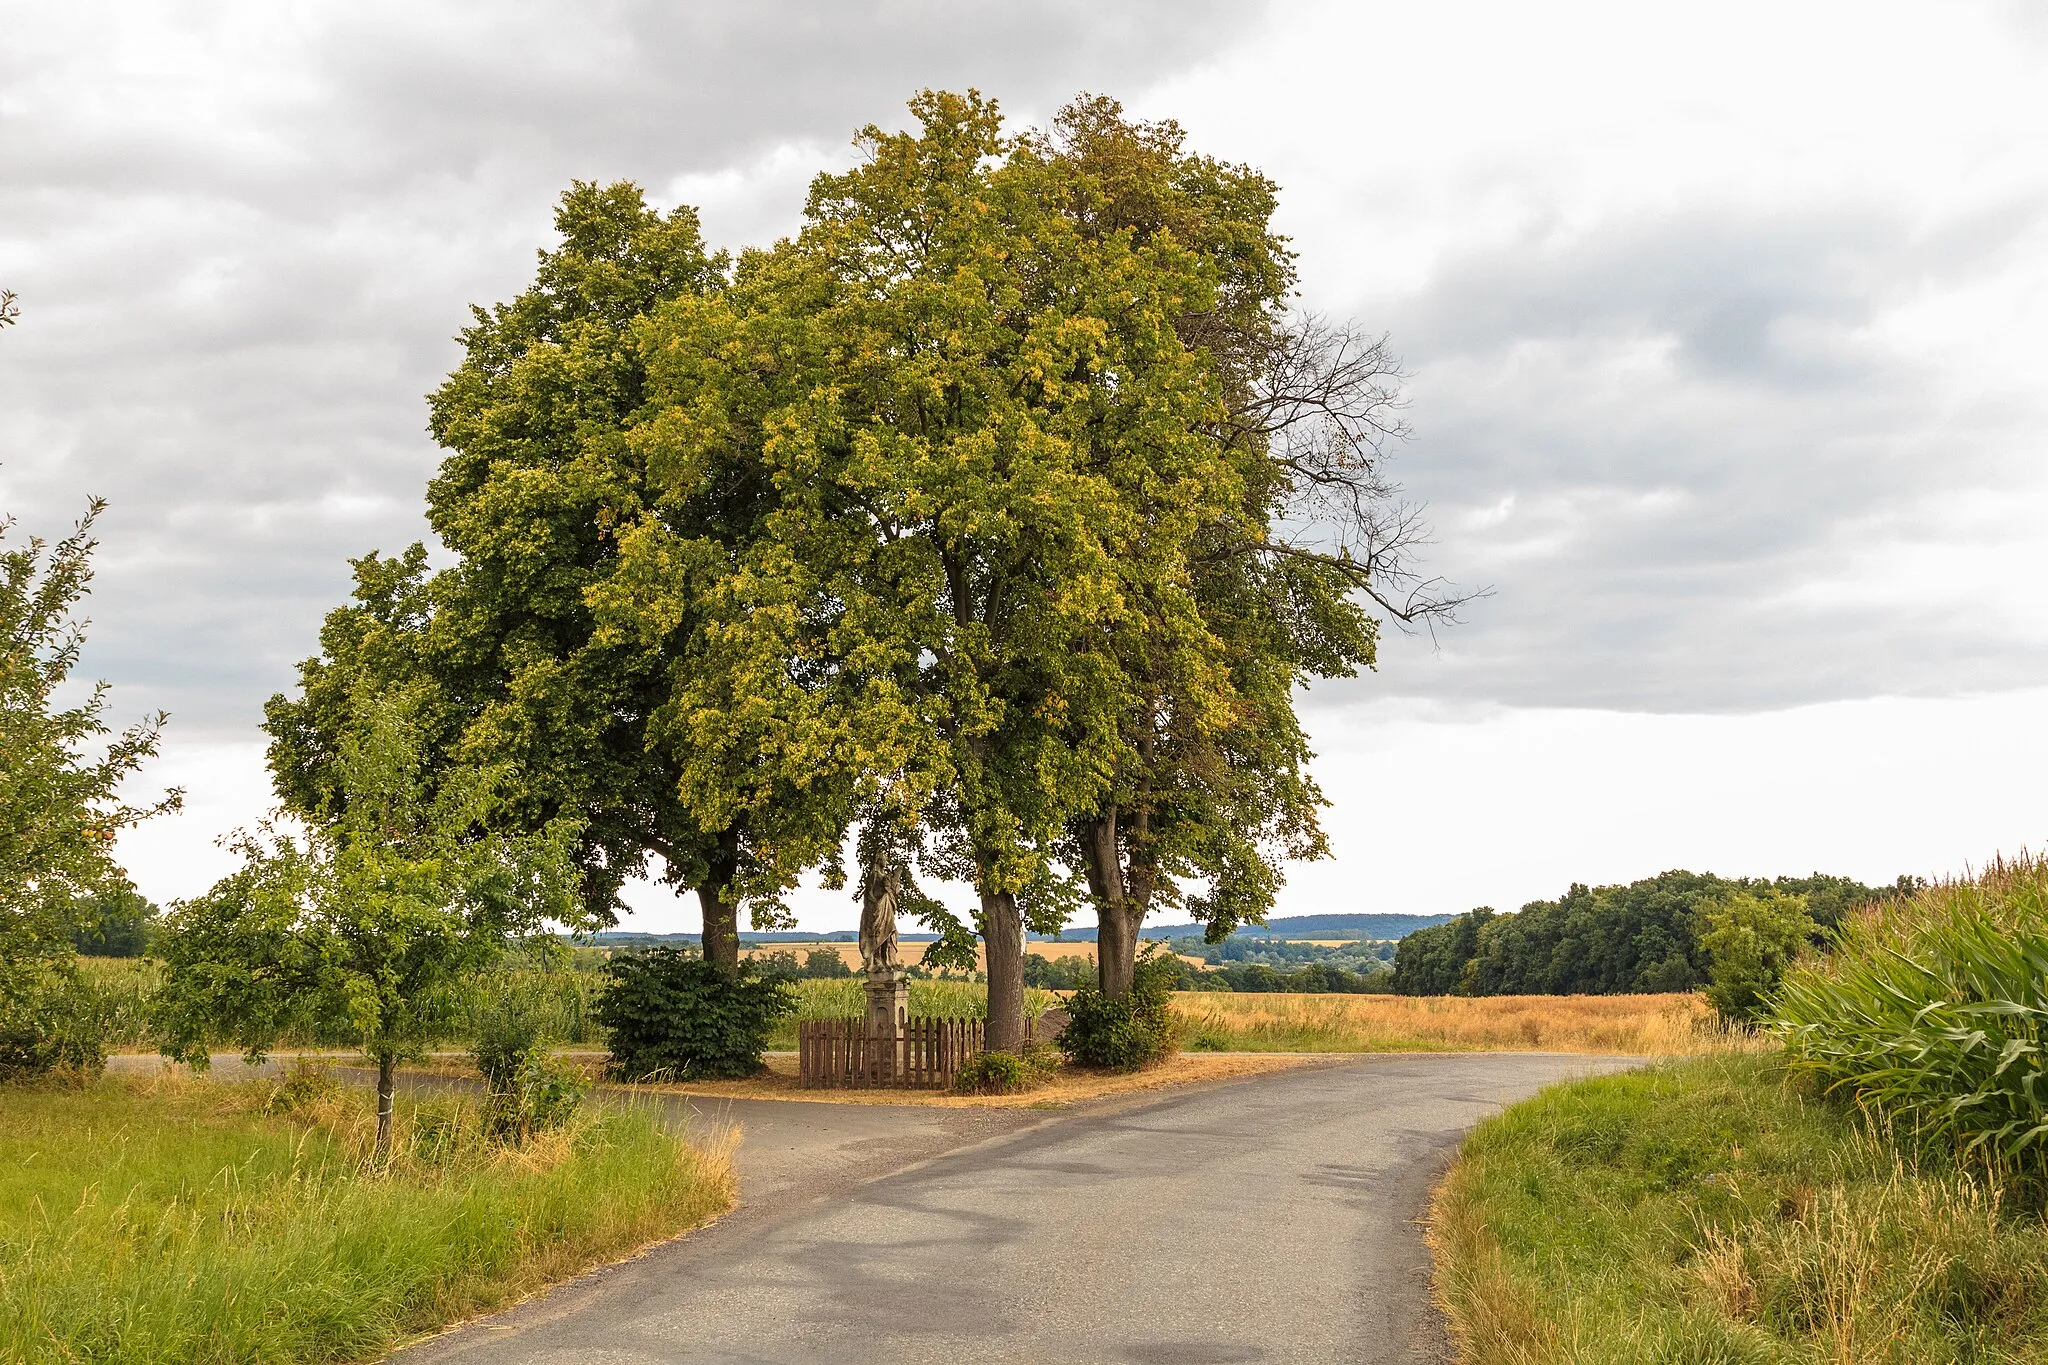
(59, 813)
(1752, 939)
(360, 924)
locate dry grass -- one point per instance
(1631, 1025)
(1069, 1085)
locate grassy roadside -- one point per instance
(192, 1221)
(1713, 1212)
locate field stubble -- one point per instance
(1629, 1025)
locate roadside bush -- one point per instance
(508, 1031)
(1751, 940)
(1933, 1009)
(545, 1093)
(52, 1021)
(672, 1015)
(1133, 1030)
(1005, 1073)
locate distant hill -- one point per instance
(1289, 926)
(1292, 926)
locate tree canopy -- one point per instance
(1000, 510)
(61, 768)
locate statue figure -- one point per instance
(888, 985)
(879, 889)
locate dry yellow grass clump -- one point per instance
(1635, 1025)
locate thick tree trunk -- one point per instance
(387, 1067)
(721, 907)
(721, 927)
(1002, 933)
(1117, 914)
(1116, 951)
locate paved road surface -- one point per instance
(1263, 1220)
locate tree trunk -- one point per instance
(721, 928)
(1116, 951)
(1117, 914)
(721, 907)
(387, 1066)
(1002, 933)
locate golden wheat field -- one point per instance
(1636, 1025)
(849, 953)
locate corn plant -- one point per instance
(1934, 1011)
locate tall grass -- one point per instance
(562, 1000)
(1716, 1210)
(1638, 1025)
(1934, 1011)
(189, 1221)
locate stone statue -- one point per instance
(888, 985)
(880, 887)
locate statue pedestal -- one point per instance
(888, 1014)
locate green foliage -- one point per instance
(1000, 1072)
(543, 1093)
(508, 1030)
(1608, 940)
(1713, 1211)
(59, 806)
(1751, 940)
(1934, 1010)
(175, 1223)
(363, 925)
(53, 1022)
(114, 923)
(672, 1015)
(1127, 1031)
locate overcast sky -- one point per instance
(1726, 326)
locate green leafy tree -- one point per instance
(547, 462)
(113, 923)
(1751, 939)
(59, 775)
(1004, 472)
(363, 922)
(1213, 781)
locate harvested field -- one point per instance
(1635, 1025)
(849, 953)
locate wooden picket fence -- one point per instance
(928, 1054)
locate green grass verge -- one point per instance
(188, 1222)
(1712, 1211)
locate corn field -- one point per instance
(1933, 1011)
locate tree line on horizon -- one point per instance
(1650, 936)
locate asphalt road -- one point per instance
(1271, 1219)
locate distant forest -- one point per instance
(1605, 940)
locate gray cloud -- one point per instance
(1676, 446)
(1685, 445)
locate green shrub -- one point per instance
(1005, 1073)
(1934, 1011)
(671, 1014)
(508, 1030)
(1130, 1031)
(1752, 940)
(52, 1020)
(544, 1093)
